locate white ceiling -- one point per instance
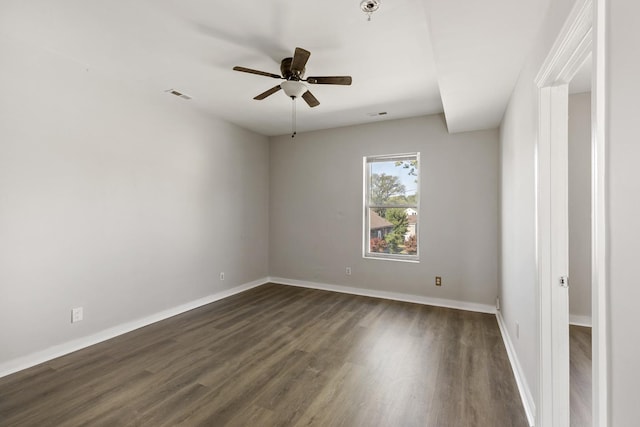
(415, 57)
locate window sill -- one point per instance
(391, 258)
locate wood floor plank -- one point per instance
(281, 356)
(580, 376)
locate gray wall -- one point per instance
(120, 200)
(580, 207)
(316, 211)
(518, 133)
(623, 184)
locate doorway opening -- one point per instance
(579, 214)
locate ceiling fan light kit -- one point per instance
(293, 88)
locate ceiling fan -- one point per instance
(292, 70)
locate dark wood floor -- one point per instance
(281, 356)
(580, 375)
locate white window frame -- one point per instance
(367, 205)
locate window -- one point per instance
(391, 200)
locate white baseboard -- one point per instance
(50, 353)
(575, 319)
(521, 381)
(396, 296)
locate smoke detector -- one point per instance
(369, 6)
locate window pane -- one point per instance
(391, 207)
(393, 182)
(393, 231)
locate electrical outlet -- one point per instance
(348, 271)
(76, 314)
(222, 275)
(497, 303)
(438, 281)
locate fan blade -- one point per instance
(333, 80)
(310, 99)
(300, 58)
(260, 73)
(271, 91)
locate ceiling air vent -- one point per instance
(178, 93)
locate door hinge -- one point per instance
(564, 281)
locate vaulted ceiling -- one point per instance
(415, 57)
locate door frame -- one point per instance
(582, 34)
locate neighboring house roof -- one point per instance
(376, 221)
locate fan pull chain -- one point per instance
(293, 117)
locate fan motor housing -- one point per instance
(287, 73)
